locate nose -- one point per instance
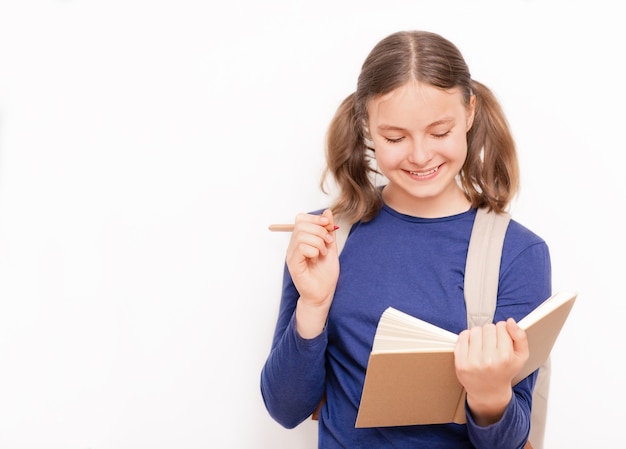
(420, 154)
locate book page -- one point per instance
(398, 332)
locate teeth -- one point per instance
(424, 173)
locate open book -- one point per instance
(410, 376)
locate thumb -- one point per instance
(331, 228)
(518, 335)
(331, 219)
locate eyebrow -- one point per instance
(386, 127)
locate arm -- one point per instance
(292, 379)
(511, 431)
(498, 415)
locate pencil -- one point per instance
(281, 227)
(289, 228)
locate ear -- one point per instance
(471, 109)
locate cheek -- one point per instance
(388, 157)
(455, 149)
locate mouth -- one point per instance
(425, 173)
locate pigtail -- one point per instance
(490, 175)
(348, 162)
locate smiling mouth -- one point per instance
(426, 172)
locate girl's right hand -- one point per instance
(313, 262)
(312, 257)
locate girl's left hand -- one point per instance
(487, 358)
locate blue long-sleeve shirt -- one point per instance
(416, 265)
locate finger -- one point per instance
(310, 238)
(305, 245)
(504, 340)
(462, 346)
(517, 335)
(490, 337)
(330, 227)
(475, 347)
(316, 219)
(312, 248)
(324, 221)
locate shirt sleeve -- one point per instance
(292, 378)
(511, 431)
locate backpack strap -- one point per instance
(341, 234)
(482, 266)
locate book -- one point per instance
(411, 379)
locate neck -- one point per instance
(453, 203)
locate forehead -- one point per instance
(416, 102)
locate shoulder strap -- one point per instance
(482, 270)
(482, 267)
(341, 234)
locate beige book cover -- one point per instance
(410, 376)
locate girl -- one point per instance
(445, 149)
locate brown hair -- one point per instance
(490, 174)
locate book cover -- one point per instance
(410, 376)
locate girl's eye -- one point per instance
(441, 136)
(399, 139)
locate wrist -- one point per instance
(311, 318)
(487, 409)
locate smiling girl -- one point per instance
(445, 149)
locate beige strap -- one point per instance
(341, 234)
(482, 267)
(539, 413)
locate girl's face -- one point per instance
(419, 135)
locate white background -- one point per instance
(145, 145)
